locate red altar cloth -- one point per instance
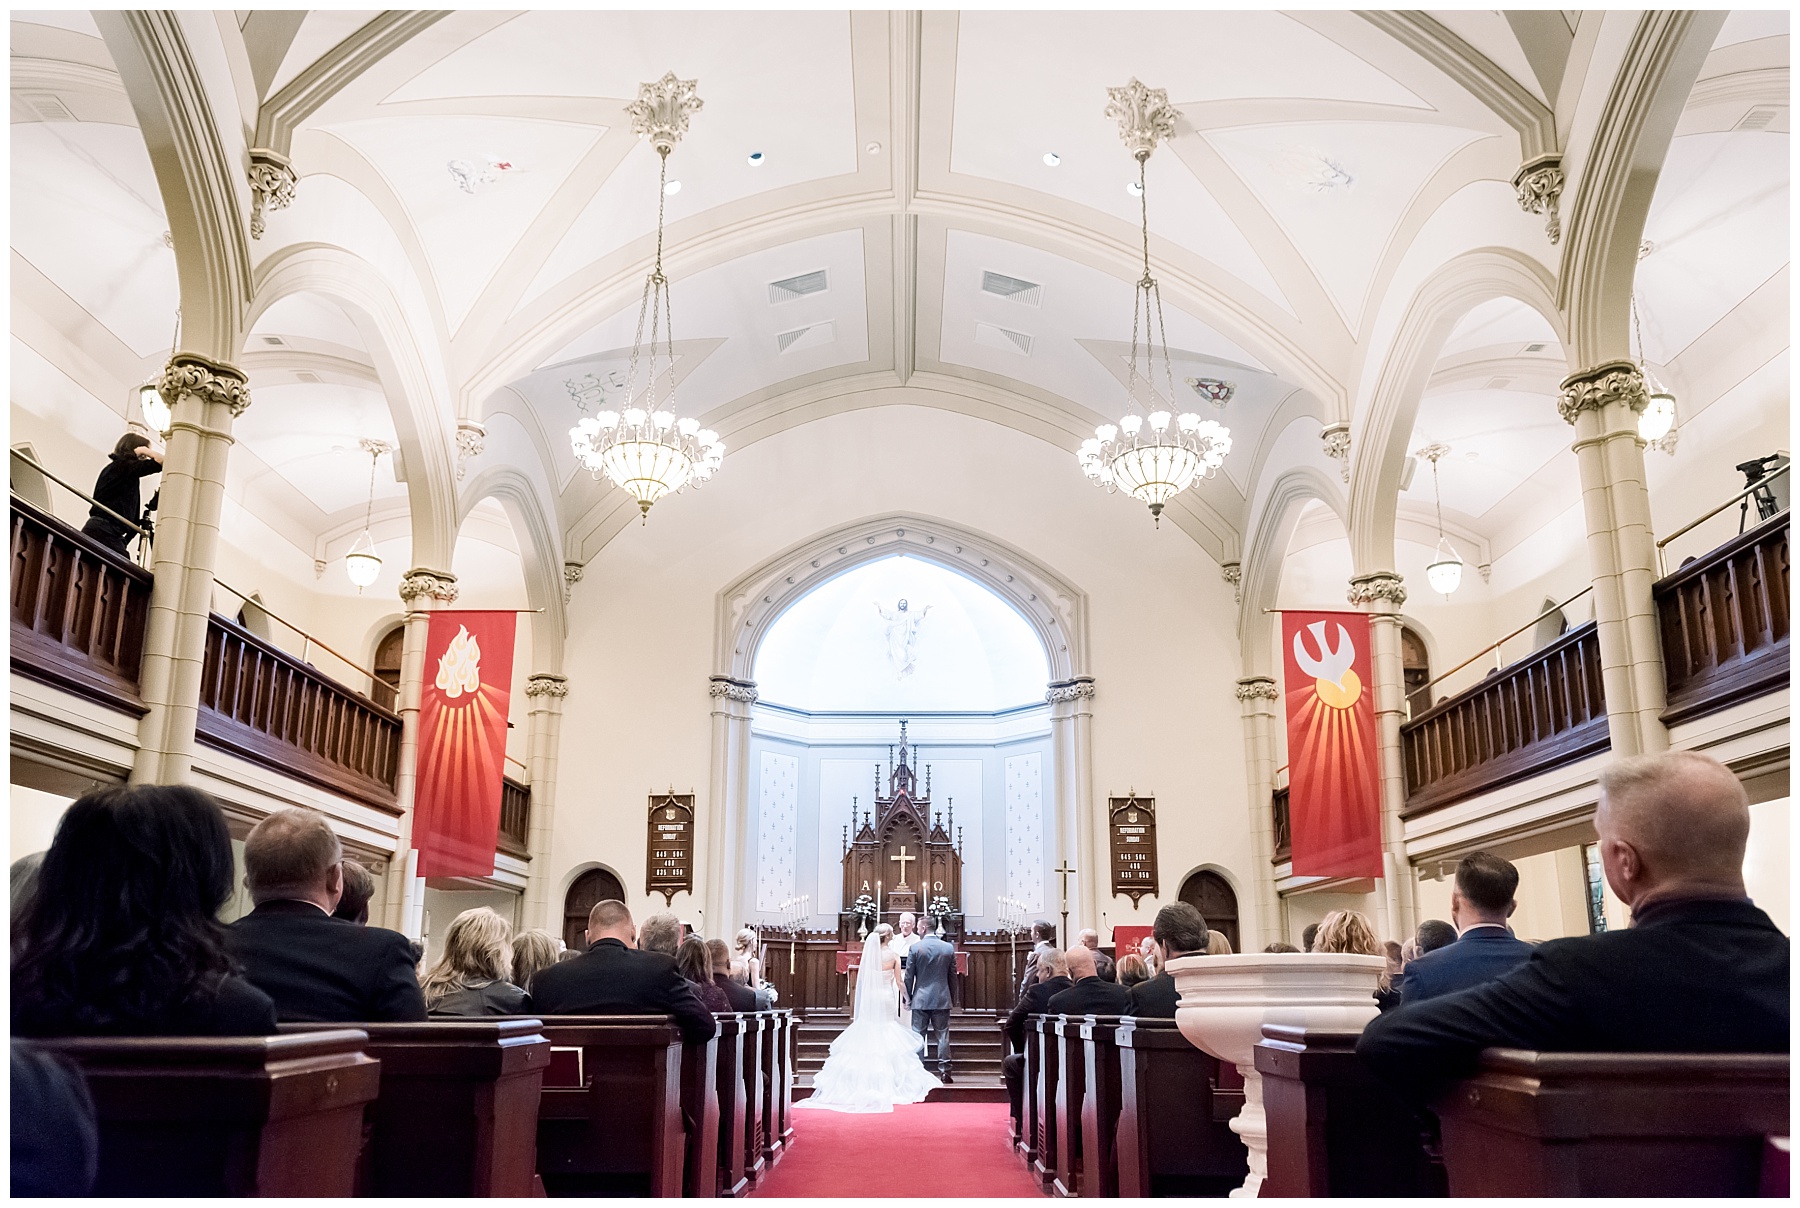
(1127, 939)
(848, 961)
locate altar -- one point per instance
(903, 855)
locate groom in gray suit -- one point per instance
(928, 968)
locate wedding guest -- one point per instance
(1179, 931)
(1480, 904)
(1091, 994)
(1217, 944)
(55, 1141)
(614, 978)
(1053, 979)
(1147, 950)
(1090, 939)
(696, 965)
(1043, 939)
(1350, 931)
(1278, 946)
(359, 887)
(122, 936)
(116, 490)
(1434, 934)
(532, 950)
(738, 996)
(1307, 936)
(471, 977)
(662, 932)
(746, 965)
(1132, 970)
(24, 884)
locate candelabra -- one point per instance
(794, 913)
(1011, 917)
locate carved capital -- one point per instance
(1257, 687)
(471, 440)
(1145, 116)
(572, 572)
(1382, 585)
(1233, 573)
(1539, 184)
(213, 381)
(723, 687)
(1079, 688)
(1336, 439)
(1592, 389)
(545, 683)
(272, 182)
(431, 584)
(662, 109)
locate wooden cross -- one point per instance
(903, 860)
(1064, 870)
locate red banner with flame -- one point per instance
(1334, 779)
(462, 742)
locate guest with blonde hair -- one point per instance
(533, 950)
(1350, 931)
(470, 978)
(1217, 944)
(746, 965)
(1132, 970)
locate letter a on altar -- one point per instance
(462, 742)
(1334, 780)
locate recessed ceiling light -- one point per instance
(1134, 188)
(1051, 159)
(756, 158)
(672, 188)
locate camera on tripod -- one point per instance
(1768, 486)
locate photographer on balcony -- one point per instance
(116, 490)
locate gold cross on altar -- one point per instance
(903, 860)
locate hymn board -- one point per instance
(1133, 829)
(670, 861)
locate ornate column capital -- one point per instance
(213, 381)
(1592, 389)
(572, 572)
(1063, 691)
(1539, 184)
(1257, 687)
(430, 584)
(272, 182)
(1336, 439)
(547, 684)
(1378, 585)
(1233, 573)
(723, 687)
(471, 440)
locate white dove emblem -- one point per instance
(1334, 681)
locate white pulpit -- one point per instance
(1226, 1000)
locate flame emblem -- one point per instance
(1334, 681)
(459, 671)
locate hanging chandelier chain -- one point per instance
(369, 512)
(1438, 494)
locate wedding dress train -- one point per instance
(874, 1064)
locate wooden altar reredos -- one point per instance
(901, 849)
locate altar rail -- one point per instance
(1724, 620)
(804, 970)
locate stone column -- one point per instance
(1257, 695)
(1602, 404)
(544, 696)
(1080, 828)
(1380, 594)
(422, 591)
(727, 803)
(205, 397)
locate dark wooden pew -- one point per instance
(700, 1119)
(1174, 1135)
(774, 1141)
(1071, 1090)
(784, 1083)
(1100, 1107)
(1334, 1128)
(228, 1116)
(734, 1178)
(457, 1114)
(617, 1130)
(751, 1139)
(1049, 1072)
(1015, 1109)
(1613, 1124)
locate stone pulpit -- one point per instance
(902, 854)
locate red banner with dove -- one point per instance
(462, 742)
(1334, 778)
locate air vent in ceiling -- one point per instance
(1013, 289)
(49, 107)
(305, 375)
(1759, 118)
(275, 341)
(1499, 383)
(989, 336)
(1535, 347)
(789, 288)
(810, 336)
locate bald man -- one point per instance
(1700, 970)
(1091, 994)
(614, 978)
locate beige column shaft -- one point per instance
(1603, 405)
(422, 591)
(1080, 825)
(205, 397)
(1258, 695)
(722, 819)
(1381, 594)
(544, 694)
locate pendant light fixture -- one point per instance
(1656, 422)
(362, 563)
(1445, 573)
(644, 448)
(158, 415)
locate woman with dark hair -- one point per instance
(695, 963)
(116, 490)
(123, 936)
(359, 887)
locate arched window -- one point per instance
(252, 617)
(1213, 897)
(590, 888)
(1415, 671)
(385, 691)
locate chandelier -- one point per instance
(1444, 573)
(1151, 454)
(362, 563)
(1656, 422)
(643, 447)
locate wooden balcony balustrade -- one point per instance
(1724, 619)
(515, 818)
(1284, 833)
(78, 610)
(1544, 711)
(262, 704)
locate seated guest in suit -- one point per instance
(1434, 934)
(1179, 930)
(1053, 979)
(532, 950)
(1480, 904)
(739, 996)
(614, 978)
(1103, 964)
(359, 887)
(55, 1141)
(122, 935)
(1091, 994)
(1700, 970)
(662, 932)
(316, 967)
(470, 979)
(1132, 970)
(695, 963)
(1043, 939)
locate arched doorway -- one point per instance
(385, 691)
(591, 887)
(1212, 896)
(1415, 671)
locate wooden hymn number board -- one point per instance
(1133, 828)
(671, 837)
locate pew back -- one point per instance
(620, 1131)
(733, 1179)
(1049, 1072)
(1174, 1135)
(1071, 1090)
(1100, 1107)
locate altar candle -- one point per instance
(878, 900)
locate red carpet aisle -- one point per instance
(922, 1150)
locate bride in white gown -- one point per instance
(874, 1064)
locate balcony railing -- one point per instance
(1724, 619)
(78, 610)
(1284, 835)
(1543, 711)
(264, 705)
(515, 818)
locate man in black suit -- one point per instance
(1700, 969)
(1053, 970)
(740, 996)
(1179, 930)
(614, 978)
(1091, 994)
(1480, 904)
(316, 967)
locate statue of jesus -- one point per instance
(902, 636)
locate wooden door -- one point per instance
(1212, 896)
(590, 888)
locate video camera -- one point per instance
(1767, 487)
